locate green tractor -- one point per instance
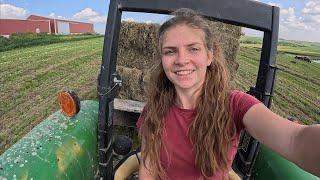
(78, 142)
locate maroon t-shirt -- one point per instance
(177, 155)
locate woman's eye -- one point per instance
(193, 49)
(168, 52)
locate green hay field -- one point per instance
(30, 79)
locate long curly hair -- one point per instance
(212, 128)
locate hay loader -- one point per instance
(77, 141)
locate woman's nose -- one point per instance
(182, 58)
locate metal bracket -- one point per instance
(111, 92)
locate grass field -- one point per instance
(310, 49)
(297, 91)
(30, 79)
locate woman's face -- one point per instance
(185, 57)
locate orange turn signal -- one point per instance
(69, 103)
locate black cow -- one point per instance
(303, 58)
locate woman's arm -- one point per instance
(144, 173)
(297, 143)
(308, 151)
(144, 169)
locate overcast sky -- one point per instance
(299, 19)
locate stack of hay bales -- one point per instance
(138, 49)
(228, 37)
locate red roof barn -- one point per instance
(39, 24)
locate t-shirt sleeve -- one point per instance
(141, 118)
(241, 102)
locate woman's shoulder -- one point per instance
(240, 103)
(237, 93)
(237, 97)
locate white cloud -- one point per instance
(53, 15)
(89, 15)
(149, 22)
(297, 23)
(128, 19)
(85, 13)
(61, 17)
(274, 4)
(131, 19)
(311, 13)
(313, 20)
(311, 7)
(289, 20)
(8, 11)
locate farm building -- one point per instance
(39, 24)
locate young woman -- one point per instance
(191, 123)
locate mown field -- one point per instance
(297, 88)
(30, 79)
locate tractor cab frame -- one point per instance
(245, 13)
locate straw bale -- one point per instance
(134, 59)
(228, 37)
(141, 37)
(138, 49)
(132, 86)
(138, 46)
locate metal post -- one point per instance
(263, 91)
(106, 88)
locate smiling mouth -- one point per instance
(184, 72)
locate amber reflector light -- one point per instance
(69, 103)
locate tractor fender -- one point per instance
(270, 165)
(57, 148)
